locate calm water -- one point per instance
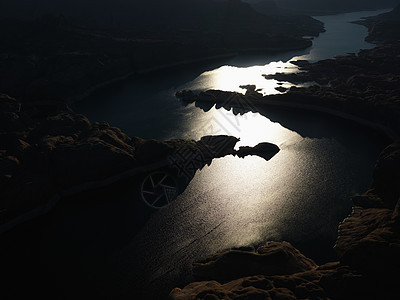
(300, 195)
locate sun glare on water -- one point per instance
(230, 78)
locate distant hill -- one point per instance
(204, 15)
(384, 27)
(264, 6)
(393, 15)
(314, 7)
(123, 14)
(119, 13)
(60, 49)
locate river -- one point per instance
(300, 195)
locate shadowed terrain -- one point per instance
(61, 51)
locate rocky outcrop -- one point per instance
(271, 259)
(369, 239)
(265, 150)
(49, 151)
(287, 274)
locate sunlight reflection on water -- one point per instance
(230, 78)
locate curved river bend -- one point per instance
(300, 195)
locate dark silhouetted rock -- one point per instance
(281, 89)
(218, 146)
(265, 150)
(187, 96)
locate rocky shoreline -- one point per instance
(363, 87)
